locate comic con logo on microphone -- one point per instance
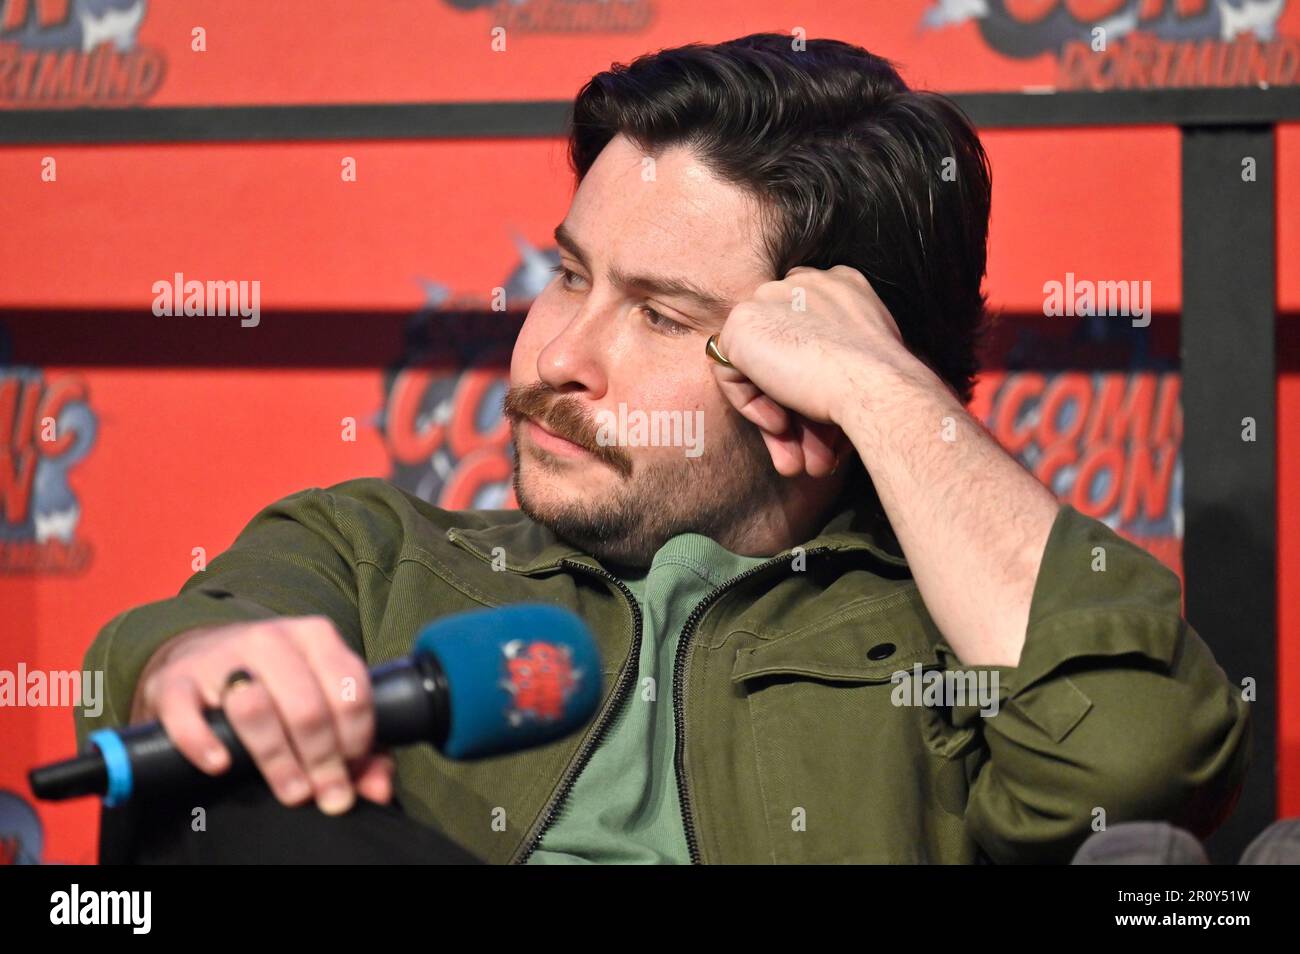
(75, 53)
(46, 428)
(540, 679)
(1136, 44)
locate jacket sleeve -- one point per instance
(291, 560)
(1116, 706)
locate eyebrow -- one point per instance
(655, 284)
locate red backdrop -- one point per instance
(185, 426)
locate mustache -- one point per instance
(565, 417)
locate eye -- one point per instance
(663, 323)
(567, 276)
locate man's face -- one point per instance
(618, 333)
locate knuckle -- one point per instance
(261, 638)
(852, 274)
(248, 704)
(356, 733)
(315, 625)
(270, 753)
(308, 720)
(356, 709)
(353, 690)
(317, 751)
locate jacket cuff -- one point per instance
(1096, 595)
(131, 638)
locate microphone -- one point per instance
(1141, 843)
(478, 683)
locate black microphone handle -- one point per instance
(157, 766)
(411, 704)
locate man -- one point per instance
(783, 246)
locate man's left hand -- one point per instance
(802, 348)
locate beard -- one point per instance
(717, 494)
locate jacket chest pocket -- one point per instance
(851, 767)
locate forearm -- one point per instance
(971, 521)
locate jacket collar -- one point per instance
(858, 525)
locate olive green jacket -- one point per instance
(790, 744)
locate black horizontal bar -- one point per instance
(1166, 107)
(540, 118)
(96, 337)
(548, 118)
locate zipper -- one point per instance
(628, 679)
(606, 718)
(679, 691)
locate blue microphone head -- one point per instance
(517, 676)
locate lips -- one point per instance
(548, 441)
(550, 433)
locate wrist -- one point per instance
(877, 389)
(158, 660)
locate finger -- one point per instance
(819, 443)
(750, 402)
(253, 716)
(208, 675)
(373, 776)
(785, 451)
(344, 682)
(306, 716)
(763, 412)
(180, 710)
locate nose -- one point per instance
(574, 360)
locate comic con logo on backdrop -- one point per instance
(46, 429)
(1137, 44)
(1107, 443)
(442, 421)
(564, 16)
(75, 53)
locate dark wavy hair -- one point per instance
(850, 166)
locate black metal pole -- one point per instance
(1229, 442)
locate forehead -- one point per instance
(668, 214)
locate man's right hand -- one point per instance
(306, 718)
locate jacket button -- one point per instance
(881, 651)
